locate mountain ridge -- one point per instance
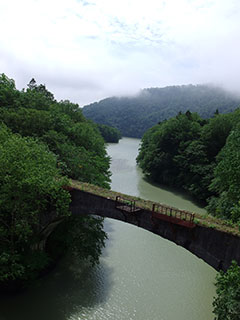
(134, 115)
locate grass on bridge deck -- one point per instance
(204, 220)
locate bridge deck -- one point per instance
(173, 215)
(159, 212)
(128, 209)
(126, 205)
(202, 220)
(217, 248)
(173, 220)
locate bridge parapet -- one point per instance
(126, 205)
(215, 247)
(173, 215)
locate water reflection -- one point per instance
(72, 289)
(141, 276)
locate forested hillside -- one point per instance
(134, 115)
(201, 156)
(43, 143)
(109, 134)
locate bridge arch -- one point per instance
(216, 248)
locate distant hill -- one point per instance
(134, 115)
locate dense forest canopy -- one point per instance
(44, 142)
(226, 305)
(61, 125)
(199, 155)
(109, 134)
(134, 115)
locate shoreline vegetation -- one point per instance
(200, 156)
(45, 143)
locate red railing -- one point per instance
(173, 215)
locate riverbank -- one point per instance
(140, 275)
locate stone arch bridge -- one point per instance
(216, 247)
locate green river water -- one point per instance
(141, 276)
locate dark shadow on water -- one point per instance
(70, 289)
(176, 191)
(67, 291)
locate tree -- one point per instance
(215, 133)
(226, 182)
(162, 144)
(196, 171)
(31, 197)
(72, 109)
(84, 238)
(9, 95)
(43, 90)
(227, 303)
(55, 140)
(109, 134)
(32, 84)
(76, 141)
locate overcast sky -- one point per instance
(88, 50)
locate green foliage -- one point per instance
(201, 156)
(216, 131)
(166, 150)
(77, 142)
(72, 110)
(26, 121)
(227, 303)
(31, 196)
(36, 97)
(9, 96)
(195, 171)
(80, 234)
(133, 116)
(50, 139)
(226, 182)
(109, 134)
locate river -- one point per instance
(141, 276)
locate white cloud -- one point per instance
(88, 50)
